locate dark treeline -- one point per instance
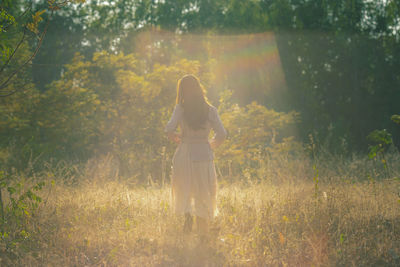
(340, 59)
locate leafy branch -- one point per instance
(396, 119)
(6, 21)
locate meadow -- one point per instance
(342, 215)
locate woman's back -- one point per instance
(190, 135)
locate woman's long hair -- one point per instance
(191, 95)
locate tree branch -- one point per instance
(9, 93)
(6, 82)
(52, 7)
(13, 53)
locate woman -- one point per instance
(194, 183)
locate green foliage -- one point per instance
(396, 119)
(380, 140)
(20, 24)
(22, 202)
(254, 132)
(6, 19)
(13, 25)
(18, 128)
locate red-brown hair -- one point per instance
(192, 96)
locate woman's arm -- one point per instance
(173, 124)
(220, 132)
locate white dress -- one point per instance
(194, 181)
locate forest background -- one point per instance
(104, 78)
(92, 83)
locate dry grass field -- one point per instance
(105, 222)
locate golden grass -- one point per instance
(110, 223)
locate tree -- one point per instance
(255, 134)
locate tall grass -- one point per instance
(353, 219)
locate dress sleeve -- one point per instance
(173, 122)
(216, 124)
